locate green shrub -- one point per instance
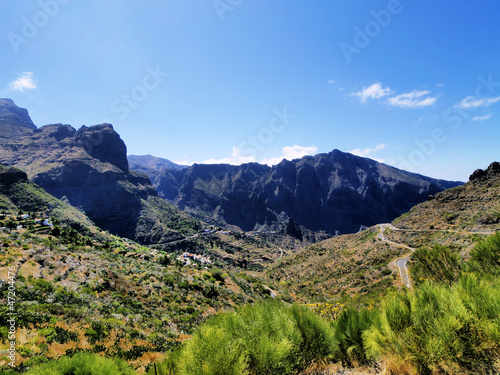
(82, 364)
(485, 257)
(348, 337)
(43, 285)
(218, 275)
(266, 338)
(170, 365)
(441, 329)
(317, 335)
(439, 263)
(213, 350)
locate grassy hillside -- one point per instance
(18, 193)
(359, 266)
(78, 288)
(473, 207)
(340, 268)
(87, 292)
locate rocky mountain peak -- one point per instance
(14, 121)
(103, 143)
(492, 171)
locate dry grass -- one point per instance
(346, 265)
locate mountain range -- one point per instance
(334, 193)
(83, 289)
(88, 169)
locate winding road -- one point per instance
(400, 262)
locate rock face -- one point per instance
(151, 163)
(335, 192)
(14, 121)
(486, 174)
(88, 168)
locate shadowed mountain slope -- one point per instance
(88, 168)
(335, 192)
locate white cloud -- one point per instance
(290, 153)
(374, 91)
(482, 118)
(331, 82)
(182, 162)
(414, 99)
(473, 102)
(25, 81)
(234, 159)
(366, 152)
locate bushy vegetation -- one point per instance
(439, 263)
(485, 257)
(84, 364)
(440, 329)
(349, 346)
(449, 324)
(265, 338)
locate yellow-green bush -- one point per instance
(82, 364)
(266, 338)
(441, 329)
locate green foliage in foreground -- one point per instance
(485, 257)
(349, 327)
(439, 263)
(266, 338)
(441, 329)
(83, 364)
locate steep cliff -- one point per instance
(88, 168)
(336, 192)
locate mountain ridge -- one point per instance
(88, 169)
(13, 121)
(344, 189)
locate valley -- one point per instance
(152, 265)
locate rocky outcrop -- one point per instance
(88, 168)
(492, 171)
(103, 143)
(14, 121)
(336, 192)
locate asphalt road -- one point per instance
(403, 271)
(400, 263)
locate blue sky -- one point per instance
(415, 84)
